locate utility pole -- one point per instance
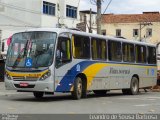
(58, 25)
(90, 21)
(98, 16)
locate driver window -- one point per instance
(63, 52)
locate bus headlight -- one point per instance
(45, 75)
(8, 76)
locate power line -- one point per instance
(107, 6)
(93, 2)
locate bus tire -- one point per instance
(84, 93)
(84, 89)
(134, 87)
(100, 92)
(77, 89)
(38, 95)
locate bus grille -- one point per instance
(29, 86)
(22, 78)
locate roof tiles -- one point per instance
(131, 18)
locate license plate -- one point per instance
(24, 84)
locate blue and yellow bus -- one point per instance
(48, 60)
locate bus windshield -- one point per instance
(31, 49)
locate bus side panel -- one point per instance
(102, 75)
(147, 77)
(118, 76)
(110, 77)
(62, 78)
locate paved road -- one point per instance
(113, 102)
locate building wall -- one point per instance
(47, 21)
(24, 11)
(17, 15)
(127, 31)
(69, 22)
(93, 22)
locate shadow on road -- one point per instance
(64, 97)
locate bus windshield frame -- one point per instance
(34, 47)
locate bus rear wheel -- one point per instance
(134, 87)
(77, 90)
(38, 95)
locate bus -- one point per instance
(50, 60)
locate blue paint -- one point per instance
(71, 75)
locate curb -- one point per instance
(156, 88)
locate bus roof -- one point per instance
(61, 30)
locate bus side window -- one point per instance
(140, 54)
(63, 51)
(114, 51)
(151, 55)
(98, 49)
(81, 47)
(128, 52)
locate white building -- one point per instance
(16, 15)
(87, 16)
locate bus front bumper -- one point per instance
(41, 86)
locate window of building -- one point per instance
(151, 55)
(118, 32)
(71, 11)
(140, 54)
(149, 32)
(114, 51)
(103, 32)
(49, 8)
(128, 52)
(98, 49)
(81, 47)
(135, 32)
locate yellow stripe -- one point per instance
(38, 75)
(92, 71)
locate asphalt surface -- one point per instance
(113, 102)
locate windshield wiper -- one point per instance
(20, 56)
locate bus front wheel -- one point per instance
(134, 87)
(38, 95)
(77, 90)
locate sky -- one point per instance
(124, 6)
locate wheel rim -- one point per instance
(134, 86)
(79, 90)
